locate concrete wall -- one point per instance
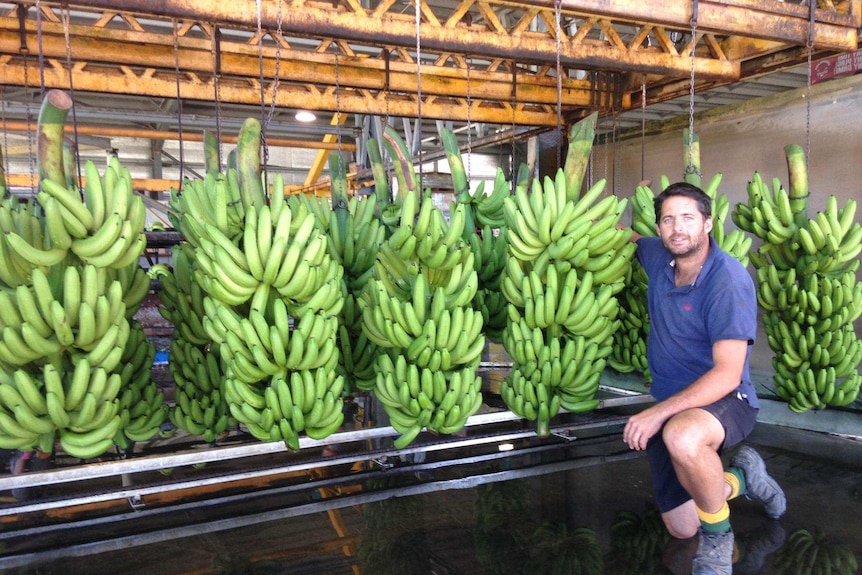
(738, 140)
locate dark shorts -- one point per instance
(737, 418)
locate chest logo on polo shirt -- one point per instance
(687, 307)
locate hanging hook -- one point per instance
(691, 169)
(21, 11)
(386, 63)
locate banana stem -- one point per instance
(456, 166)
(401, 159)
(248, 164)
(52, 120)
(691, 158)
(525, 176)
(211, 161)
(543, 427)
(338, 184)
(460, 184)
(231, 160)
(381, 181)
(797, 168)
(70, 166)
(581, 138)
(4, 191)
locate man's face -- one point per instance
(682, 228)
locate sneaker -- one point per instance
(758, 484)
(714, 554)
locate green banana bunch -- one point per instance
(25, 242)
(75, 398)
(195, 360)
(806, 553)
(215, 200)
(418, 397)
(643, 211)
(142, 405)
(629, 349)
(71, 286)
(488, 208)
(118, 217)
(568, 259)
(72, 311)
(353, 243)
(418, 306)
(200, 405)
(544, 226)
(807, 287)
(289, 403)
(489, 260)
(259, 286)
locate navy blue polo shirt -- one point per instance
(686, 321)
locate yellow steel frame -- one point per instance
(126, 47)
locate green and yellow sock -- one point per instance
(718, 522)
(735, 477)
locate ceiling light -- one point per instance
(305, 116)
(505, 447)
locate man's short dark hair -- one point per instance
(684, 189)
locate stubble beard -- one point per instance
(685, 250)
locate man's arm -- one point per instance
(728, 356)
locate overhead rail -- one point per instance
(127, 47)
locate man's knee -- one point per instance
(681, 437)
(682, 522)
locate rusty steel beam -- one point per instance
(127, 82)
(131, 48)
(189, 136)
(153, 185)
(763, 19)
(320, 20)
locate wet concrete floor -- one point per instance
(593, 519)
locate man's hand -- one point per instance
(642, 426)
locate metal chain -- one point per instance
(337, 102)
(41, 51)
(419, 84)
(469, 127)
(179, 101)
(512, 162)
(643, 129)
(386, 93)
(276, 81)
(810, 46)
(615, 165)
(30, 143)
(604, 121)
(558, 17)
(65, 14)
(5, 164)
(690, 168)
(262, 89)
(216, 88)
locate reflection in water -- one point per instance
(423, 518)
(393, 540)
(638, 543)
(239, 566)
(509, 542)
(806, 552)
(501, 527)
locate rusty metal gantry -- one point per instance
(490, 61)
